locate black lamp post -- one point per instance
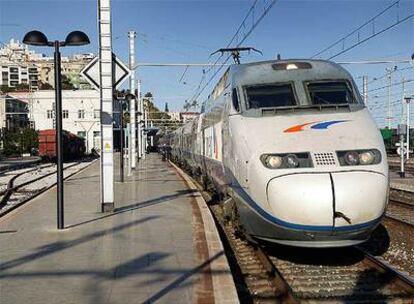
(74, 38)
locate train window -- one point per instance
(332, 92)
(270, 96)
(235, 100)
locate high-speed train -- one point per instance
(293, 144)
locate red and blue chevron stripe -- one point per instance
(316, 125)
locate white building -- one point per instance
(188, 116)
(175, 115)
(16, 67)
(14, 110)
(80, 111)
(14, 74)
(16, 51)
(183, 116)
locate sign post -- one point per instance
(105, 72)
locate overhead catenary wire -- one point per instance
(201, 87)
(393, 84)
(386, 74)
(372, 36)
(356, 30)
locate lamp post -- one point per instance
(75, 38)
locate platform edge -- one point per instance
(223, 283)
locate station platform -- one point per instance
(160, 245)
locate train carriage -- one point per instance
(295, 147)
(73, 145)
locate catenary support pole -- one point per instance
(152, 137)
(132, 154)
(59, 143)
(402, 172)
(128, 140)
(389, 98)
(121, 137)
(365, 89)
(144, 135)
(408, 101)
(139, 100)
(106, 94)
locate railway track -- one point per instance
(401, 207)
(298, 275)
(395, 166)
(20, 166)
(402, 212)
(281, 274)
(8, 177)
(21, 188)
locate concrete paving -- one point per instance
(150, 249)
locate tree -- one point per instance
(188, 105)
(29, 140)
(45, 86)
(21, 87)
(20, 141)
(66, 84)
(166, 107)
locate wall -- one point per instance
(72, 103)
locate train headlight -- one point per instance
(366, 158)
(287, 160)
(359, 157)
(274, 161)
(292, 161)
(352, 158)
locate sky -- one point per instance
(173, 31)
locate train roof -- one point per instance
(286, 70)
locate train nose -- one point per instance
(328, 199)
(361, 196)
(308, 202)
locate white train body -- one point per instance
(333, 191)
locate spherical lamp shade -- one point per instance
(76, 38)
(35, 38)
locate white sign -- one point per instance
(399, 151)
(91, 72)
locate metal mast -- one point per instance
(106, 95)
(389, 98)
(131, 36)
(139, 128)
(365, 89)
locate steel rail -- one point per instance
(396, 215)
(400, 279)
(29, 198)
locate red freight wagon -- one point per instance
(73, 146)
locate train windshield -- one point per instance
(330, 93)
(270, 96)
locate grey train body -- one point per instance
(295, 147)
